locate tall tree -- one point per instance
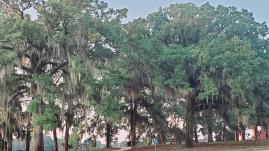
(205, 52)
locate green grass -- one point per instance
(217, 146)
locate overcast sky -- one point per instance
(141, 8)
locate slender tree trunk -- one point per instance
(255, 133)
(242, 132)
(243, 135)
(133, 123)
(209, 121)
(189, 120)
(66, 137)
(195, 135)
(9, 144)
(39, 142)
(210, 137)
(5, 146)
(161, 138)
(108, 132)
(1, 142)
(9, 139)
(55, 139)
(150, 141)
(224, 133)
(264, 132)
(236, 135)
(28, 139)
(94, 141)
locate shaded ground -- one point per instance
(222, 146)
(227, 146)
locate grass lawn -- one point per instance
(222, 146)
(207, 148)
(219, 146)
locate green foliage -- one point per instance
(48, 119)
(74, 139)
(217, 54)
(44, 82)
(209, 89)
(110, 109)
(7, 57)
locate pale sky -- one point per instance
(141, 8)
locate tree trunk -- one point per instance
(210, 137)
(236, 136)
(55, 139)
(243, 135)
(209, 121)
(133, 123)
(9, 140)
(66, 137)
(2, 142)
(195, 135)
(189, 120)
(108, 132)
(224, 133)
(150, 141)
(94, 141)
(9, 144)
(264, 132)
(28, 139)
(255, 133)
(39, 142)
(5, 145)
(161, 138)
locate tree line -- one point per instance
(79, 68)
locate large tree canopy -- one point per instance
(185, 61)
(213, 55)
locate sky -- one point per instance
(141, 8)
